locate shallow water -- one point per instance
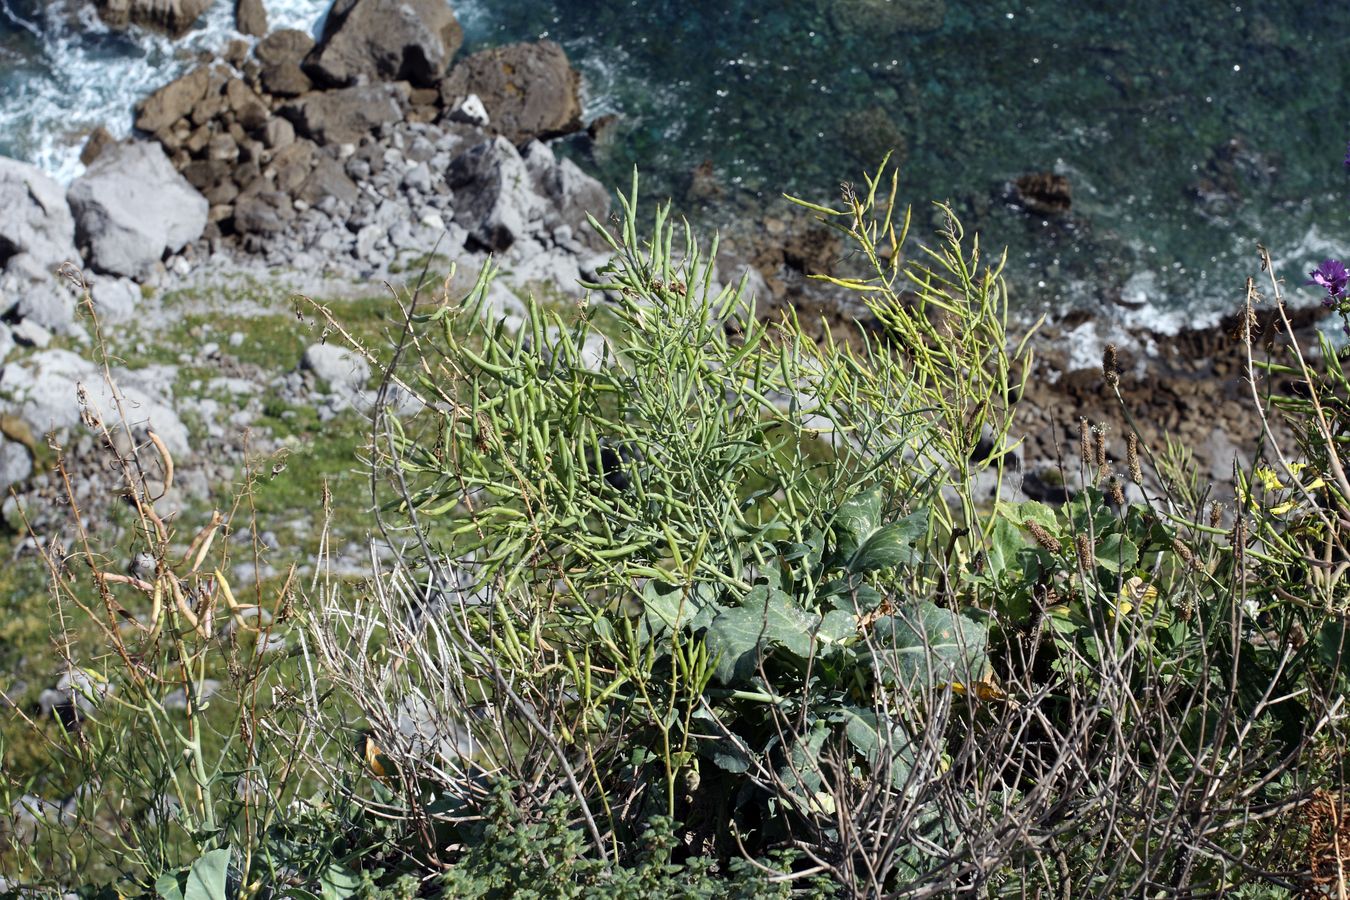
(1138, 108)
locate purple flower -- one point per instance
(1347, 155)
(1332, 275)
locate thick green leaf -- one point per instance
(738, 636)
(871, 737)
(1116, 553)
(1333, 645)
(923, 645)
(802, 773)
(891, 545)
(668, 606)
(1005, 541)
(169, 886)
(339, 882)
(836, 625)
(855, 521)
(206, 879)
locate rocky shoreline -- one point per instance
(328, 167)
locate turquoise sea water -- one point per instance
(1188, 130)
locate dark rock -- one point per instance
(327, 180)
(174, 101)
(99, 139)
(263, 212)
(249, 109)
(1043, 193)
(278, 133)
(285, 45)
(345, 116)
(529, 90)
(291, 165)
(387, 40)
(206, 173)
(250, 17)
(285, 80)
(174, 16)
(236, 52)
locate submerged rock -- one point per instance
(1043, 193)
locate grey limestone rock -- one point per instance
(131, 207)
(36, 218)
(494, 194)
(115, 299)
(44, 390)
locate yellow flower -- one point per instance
(1134, 594)
(1269, 480)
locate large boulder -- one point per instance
(36, 218)
(345, 116)
(174, 16)
(385, 40)
(279, 55)
(495, 198)
(131, 207)
(529, 90)
(176, 100)
(571, 192)
(250, 17)
(44, 391)
(36, 294)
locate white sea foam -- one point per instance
(85, 77)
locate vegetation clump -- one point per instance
(677, 602)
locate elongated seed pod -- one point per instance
(1084, 442)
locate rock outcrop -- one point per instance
(345, 115)
(36, 219)
(173, 16)
(385, 40)
(131, 207)
(529, 91)
(44, 392)
(250, 17)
